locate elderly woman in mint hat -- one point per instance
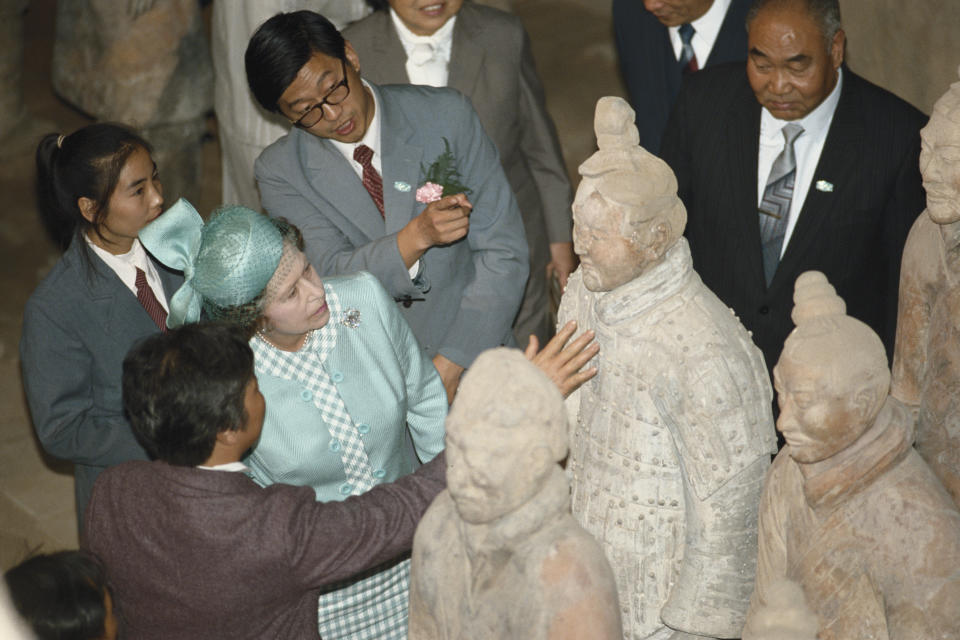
(343, 377)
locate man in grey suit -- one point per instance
(485, 54)
(348, 175)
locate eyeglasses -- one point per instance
(335, 96)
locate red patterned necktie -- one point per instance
(149, 301)
(371, 179)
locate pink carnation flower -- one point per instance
(429, 192)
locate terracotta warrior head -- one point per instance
(626, 213)
(832, 377)
(940, 158)
(506, 432)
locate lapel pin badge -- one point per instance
(351, 318)
(823, 185)
(401, 186)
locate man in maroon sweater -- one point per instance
(193, 548)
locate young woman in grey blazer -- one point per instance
(97, 187)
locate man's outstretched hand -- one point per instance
(563, 363)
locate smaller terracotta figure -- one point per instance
(849, 510)
(498, 554)
(926, 361)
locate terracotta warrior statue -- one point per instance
(850, 511)
(926, 361)
(672, 438)
(498, 555)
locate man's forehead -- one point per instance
(783, 25)
(313, 71)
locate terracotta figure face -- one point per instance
(673, 13)
(344, 122)
(817, 421)
(607, 257)
(940, 164)
(424, 17)
(136, 200)
(790, 66)
(297, 302)
(488, 473)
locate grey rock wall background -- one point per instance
(910, 48)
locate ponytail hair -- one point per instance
(84, 164)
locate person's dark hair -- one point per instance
(85, 164)
(281, 46)
(825, 12)
(61, 595)
(379, 5)
(183, 387)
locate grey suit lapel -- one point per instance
(402, 157)
(113, 305)
(837, 165)
(466, 55)
(391, 59)
(335, 181)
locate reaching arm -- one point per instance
(563, 363)
(331, 541)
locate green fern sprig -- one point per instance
(445, 173)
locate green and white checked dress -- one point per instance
(373, 606)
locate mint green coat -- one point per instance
(387, 384)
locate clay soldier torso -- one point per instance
(679, 410)
(874, 540)
(926, 367)
(520, 578)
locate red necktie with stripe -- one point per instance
(149, 301)
(371, 179)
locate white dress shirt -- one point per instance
(371, 138)
(226, 466)
(125, 266)
(807, 148)
(706, 29)
(422, 67)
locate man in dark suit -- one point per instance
(843, 205)
(650, 36)
(485, 54)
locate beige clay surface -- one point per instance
(850, 511)
(498, 554)
(671, 440)
(926, 361)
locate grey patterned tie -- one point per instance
(775, 206)
(688, 59)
